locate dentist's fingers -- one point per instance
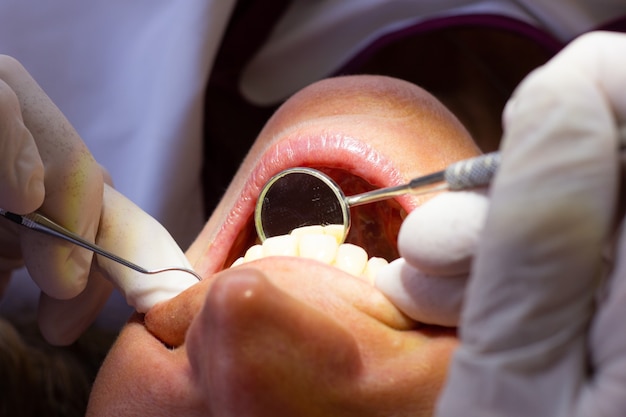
(608, 341)
(437, 243)
(605, 60)
(441, 236)
(61, 322)
(73, 186)
(530, 298)
(425, 298)
(21, 168)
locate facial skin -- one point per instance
(291, 336)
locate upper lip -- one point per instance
(329, 151)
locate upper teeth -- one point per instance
(322, 243)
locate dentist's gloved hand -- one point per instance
(437, 243)
(42, 155)
(45, 166)
(21, 167)
(541, 329)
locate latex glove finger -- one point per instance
(126, 231)
(73, 185)
(608, 346)
(425, 298)
(21, 168)
(129, 232)
(530, 298)
(441, 236)
(61, 322)
(437, 242)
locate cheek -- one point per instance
(141, 377)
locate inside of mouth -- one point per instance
(374, 226)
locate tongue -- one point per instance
(374, 226)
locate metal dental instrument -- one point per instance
(41, 223)
(300, 197)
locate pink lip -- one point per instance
(331, 151)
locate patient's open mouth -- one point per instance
(374, 228)
(370, 244)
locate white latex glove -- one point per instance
(128, 231)
(41, 155)
(35, 135)
(21, 167)
(536, 338)
(437, 242)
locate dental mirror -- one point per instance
(299, 197)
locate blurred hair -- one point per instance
(37, 379)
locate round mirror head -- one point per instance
(299, 197)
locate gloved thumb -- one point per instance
(437, 242)
(440, 237)
(21, 167)
(133, 234)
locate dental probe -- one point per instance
(299, 197)
(462, 175)
(41, 223)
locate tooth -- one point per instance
(319, 247)
(308, 230)
(238, 262)
(351, 259)
(372, 267)
(322, 243)
(335, 230)
(285, 245)
(255, 252)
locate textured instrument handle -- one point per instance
(470, 173)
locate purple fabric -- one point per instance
(616, 25)
(496, 22)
